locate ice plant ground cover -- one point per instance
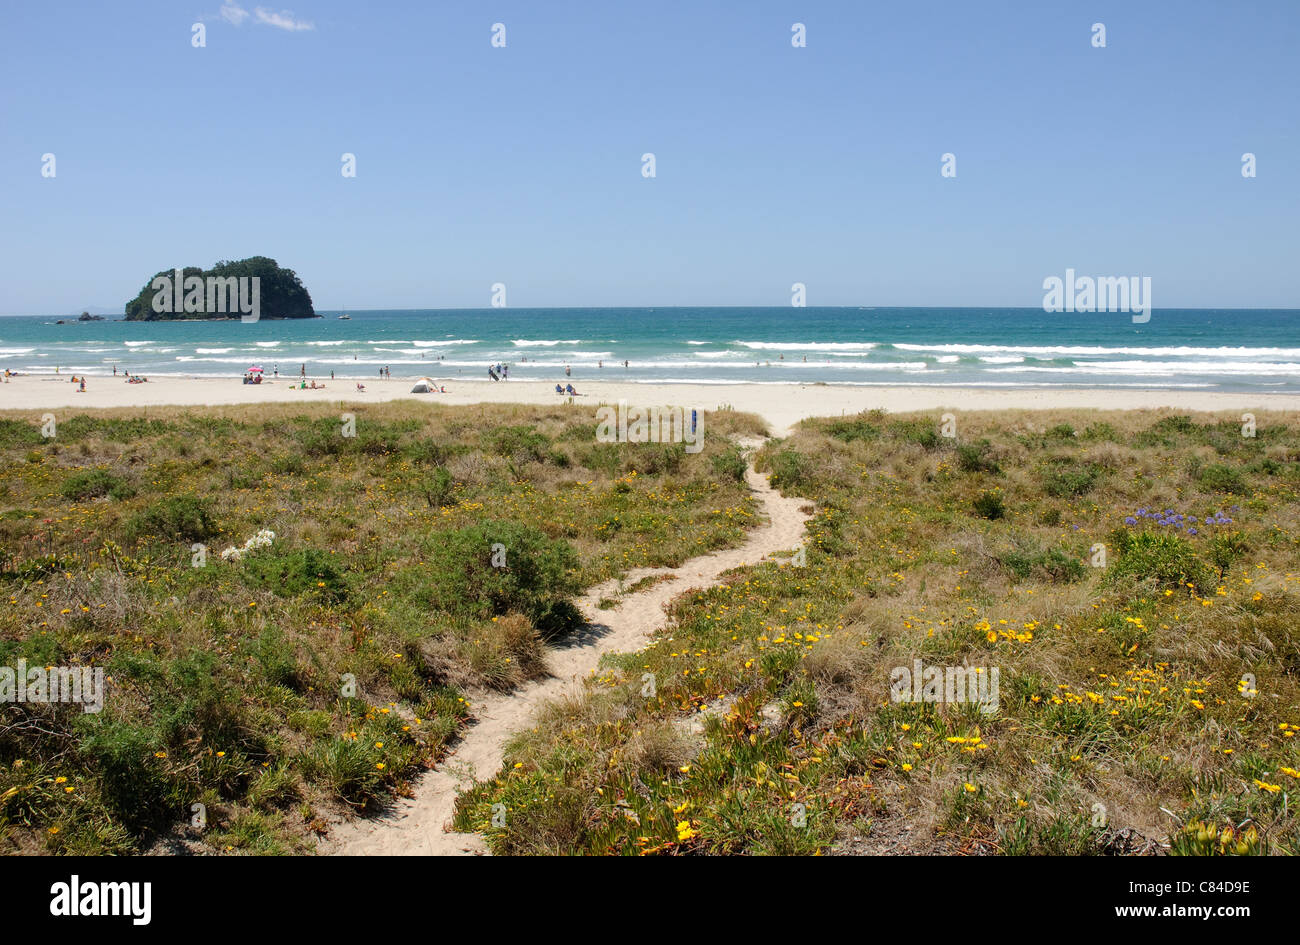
(1150, 696)
(323, 663)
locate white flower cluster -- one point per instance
(260, 540)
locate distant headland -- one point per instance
(227, 290)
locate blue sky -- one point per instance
(775, 164)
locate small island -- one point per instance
(282, 294)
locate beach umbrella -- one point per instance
(255, 370)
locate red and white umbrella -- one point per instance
(255, 370)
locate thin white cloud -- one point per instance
(283, 20)
(233, 13)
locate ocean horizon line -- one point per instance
(108, 314)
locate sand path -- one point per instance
(415, 826)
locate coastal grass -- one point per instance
(1133, 577)
(419, 552)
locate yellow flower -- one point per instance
(684, 831)
(970, 788)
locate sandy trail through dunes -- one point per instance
(415, 826)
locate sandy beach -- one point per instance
(782, 405)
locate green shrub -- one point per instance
(300, 572)
(1074, 479)
(275, 658)
(436, 487)
(974, 457)
(494, 568)
(1052, 564)
(91, 484)
(989, 505)
(653, 458)
(19, 433)
(518, 443)
(1221, 478)
(730, 463)
(789, 469)
(1226, 548)
(857, 428)
(1176, 424)
(1101, 431)
(177, 518)
(1168, 559)
(919, 431)
(133, 782)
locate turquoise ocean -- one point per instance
(1208, 349)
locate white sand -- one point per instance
(780, 404)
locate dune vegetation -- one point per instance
(1133, 579)
(289, 610)
(291, 619)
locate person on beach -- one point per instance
(568, 389)
(82, 389)
(625, 365)
(567, 371)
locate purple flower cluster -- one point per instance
(1177, 520)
